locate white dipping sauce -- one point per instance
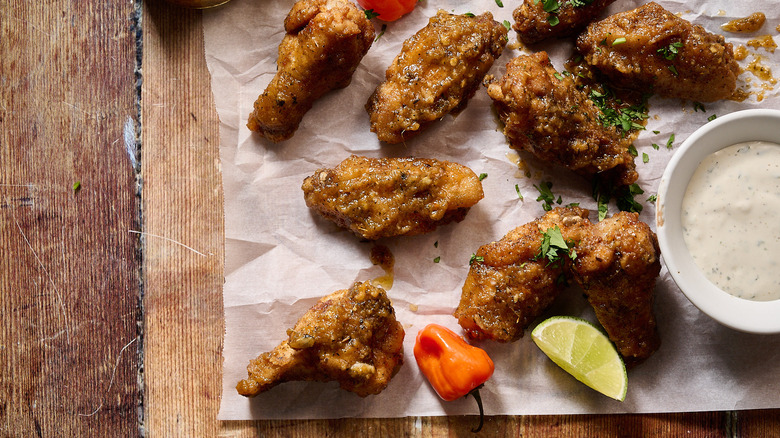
(731, 219)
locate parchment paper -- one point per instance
(281, 258)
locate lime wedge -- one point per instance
(585, 352)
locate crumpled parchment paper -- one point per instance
(281, 258)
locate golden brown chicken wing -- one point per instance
(616, 262)
(437, 71)
(350, 336)
(384, 197)
(545, 114)
(653, 50)
(533, 24)
(508, 286)
(325, 41)
(617, 266)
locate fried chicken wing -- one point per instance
(533, 24)
(350, 336)
(384, 197)
(545, 114)
(325, 42)
(617, 265)
(437, 71)
(507, 287)
(661, 53)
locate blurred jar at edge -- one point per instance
(197, 4)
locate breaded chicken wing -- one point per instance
(507, 287)
(545, 114)
(659, 52)
(350, 336)
(384, 197)
(617, 266)
(437, 71)
(616, 263)
(325, 42)
(533, 24)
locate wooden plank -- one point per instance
(183, 222)
(69, 273)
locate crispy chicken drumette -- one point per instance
(350, 336)
(533, 24)
(507, 286)
(661, 53)
(545, 114)
(325, 41)
(616, 263)
(384, 197)
(438, 70)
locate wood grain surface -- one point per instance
(111, 293)
(70, 273)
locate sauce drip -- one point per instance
(380, 255)
(730, 219)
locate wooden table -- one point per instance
(111, 234)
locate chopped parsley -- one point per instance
(546, 195)
(712, 117)
(469, 14)
(482, 176)
(670, 52)
(655, 146)
(698, 106)
(370, 13)
(76, 186)
(517, 189)
(645, 157)
(555, 248)
(500, 5)
(673, 70)
(619, 41)
(625, 118)
(436, 244)
(670, 142)
(507, 25)
(632, 150)
(437, 260)
(625, 200)
(553, 6)
(381, 32)
(475, 258)
(652, 198)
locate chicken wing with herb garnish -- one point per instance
(655, 51)
(325, 42)
(350, 336)
(616, 262)
(544, 113)
(536, 20)
(438, 70)
(512, 281)
(385, 197)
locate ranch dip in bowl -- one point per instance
(718, 219)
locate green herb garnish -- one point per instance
(482, 176)
(381, 32)
(652, 198)
(76, 186)
(555, 248)
(670, 52)
(670, 142)
(645, 157)
(507, 25)
(712, 117)
(517, 189)
(437, 260)
(500, 5)
(476, 259)
(619, 41)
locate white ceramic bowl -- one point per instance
(737, 313)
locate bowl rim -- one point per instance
(737, 127)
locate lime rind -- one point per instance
(585, 352)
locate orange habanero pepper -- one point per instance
(453, 367)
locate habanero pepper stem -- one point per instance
(452, 366)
